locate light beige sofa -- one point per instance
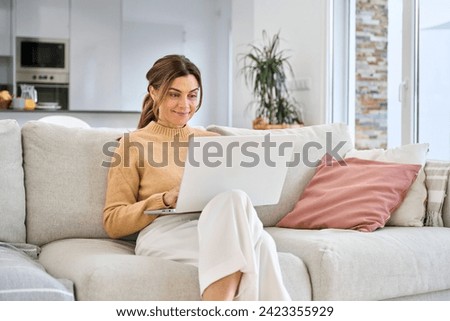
(63, 185)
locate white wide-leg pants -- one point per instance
(227, 237)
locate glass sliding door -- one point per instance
(419, 74)
(433, 125)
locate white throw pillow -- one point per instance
(412, 210)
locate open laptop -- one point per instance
(255, 164)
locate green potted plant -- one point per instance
(265, 68)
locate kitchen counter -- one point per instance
(95, 118)
(69, 111)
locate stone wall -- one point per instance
(371, 74)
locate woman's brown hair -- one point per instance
(160, 76)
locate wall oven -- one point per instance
(44, 63)
(49, 96)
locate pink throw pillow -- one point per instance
(359, 195)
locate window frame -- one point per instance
(342, 108)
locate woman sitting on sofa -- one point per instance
(236, 258)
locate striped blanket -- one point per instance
(437, 173)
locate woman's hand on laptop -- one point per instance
(170, 197)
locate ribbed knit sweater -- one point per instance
(147, 163)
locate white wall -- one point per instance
(303, 30)
(303, 27)
(206, 33)
(242, 33)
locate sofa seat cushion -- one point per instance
(388, 263)
(103, 269)
(24, 279)
(109, 270)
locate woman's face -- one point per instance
(180, 103)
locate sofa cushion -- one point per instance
(354, 194)
(412, 211)
(388, 263)
(102, 269)
(24, 279)
(65, 180)
(310, 145)
(12, 190)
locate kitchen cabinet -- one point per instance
(6, 61)
(5, 28)
(42, 19)
(95, 71)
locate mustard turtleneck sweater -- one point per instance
(147, 163)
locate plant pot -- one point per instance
(260, 123)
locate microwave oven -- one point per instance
(42, 60)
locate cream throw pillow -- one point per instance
(310, 143)
(412, 211)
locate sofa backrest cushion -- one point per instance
(310, 145)
(65, 180)
(12, 191)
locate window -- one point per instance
(433, 118)
(397, 79)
